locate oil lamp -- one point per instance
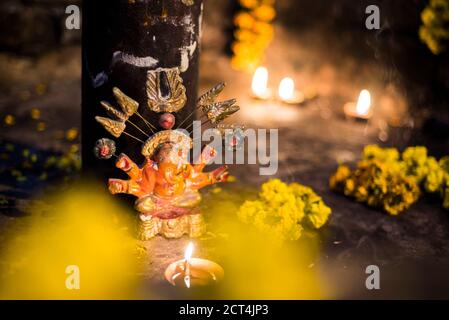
(361, 110)
(287, 92)
(259, 84)
(191, 272)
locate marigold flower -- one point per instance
(389, 180)
(71, 134)
(244, 20)
(281, 209)
(264, 13)
(253, 33)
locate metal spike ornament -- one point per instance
(166, 185)
(114, 127)
(210, 96)
(219, 111)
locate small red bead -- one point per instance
(104, 151)
(167, 121)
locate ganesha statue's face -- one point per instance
(171, 153)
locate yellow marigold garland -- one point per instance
(386, 179)
(283, 209)
(434, 30)
(253, 33)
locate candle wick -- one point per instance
(187, 273)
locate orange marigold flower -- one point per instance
(264, 13)
(244, 20)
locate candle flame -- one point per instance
(260, 81)
(286, 89)
(189, 251)
(187, 257)
(364, 103)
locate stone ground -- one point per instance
(411, 250)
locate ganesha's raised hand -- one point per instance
(201, 180)
(141, 180)
(220, 175)
(207, 155)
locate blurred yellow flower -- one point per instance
(41, 126)
(33, 158)
(74, 148)
(244, 20)
(244, 35)
(216, 190)
(392, 181)
(35, 114)
(9, 120)
(264, 13)
(71, 134)
(434, 31)
(264, 29)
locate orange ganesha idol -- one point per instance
(166, 185)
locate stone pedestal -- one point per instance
(192, 225)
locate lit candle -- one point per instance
(287, 92)
(187, 257)
(259, 84)
(190, 272)
(362, 109)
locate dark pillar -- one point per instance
(122, 40)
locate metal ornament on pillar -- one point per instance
(128, 44)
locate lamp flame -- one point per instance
(364, 103)
(187, 257)
(260, 82)
(189, 251)
(286, 89)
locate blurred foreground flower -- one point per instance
(71, 232)
(9, 120)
